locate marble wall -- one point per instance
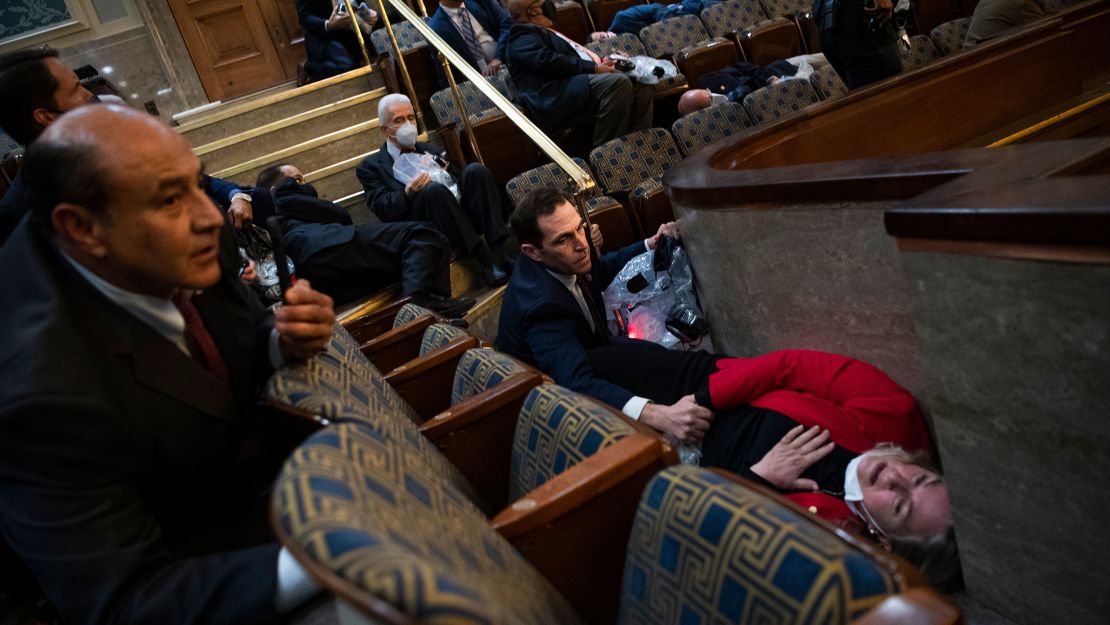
(1017, 359)
(129, 60)
(823, 277)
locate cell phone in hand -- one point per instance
(273, 227)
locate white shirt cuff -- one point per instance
(633, 407)
(294, 586)
(647, 248)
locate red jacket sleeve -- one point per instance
(859, 405)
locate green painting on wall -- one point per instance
(20, 17)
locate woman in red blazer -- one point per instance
(798, 420)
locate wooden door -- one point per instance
(234, 43)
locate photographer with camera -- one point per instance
(859, 38)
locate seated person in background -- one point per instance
(733, 84)
(994, 17)
(473, 222)
(476, 29)
(562, 83)
(636, 18)
(132, 471)
(349, 261)
(329, 39)
(35, 89)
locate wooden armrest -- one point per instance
(370, 325)
(575, 528)
(476, 434)
(916, 606)
(425, 382)
(397, 346)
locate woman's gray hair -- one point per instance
(388, 101)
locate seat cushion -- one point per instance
(481, 369)
(705, 549)
(392, 529)
(557, 429)
(439, 334)
(408, 313)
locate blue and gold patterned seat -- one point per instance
(665, 38)
(409, 312)
(919, 51)
(630, 45)
(408, 38)
(780, 100)
(733, 16)
(480, 370)
(707, 549)
(438, 335)
(398, 541)
(950, 35)
(475, 102)
(629, 161)
(618, 226)
(700, 128)
(828, 83)
(557, 429)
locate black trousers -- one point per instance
(379, 255)
(860, 53)
(478, 213)
(662, 375)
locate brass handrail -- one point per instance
(581, 178)
(358, 32)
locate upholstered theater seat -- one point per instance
(663, 39)
(398, 541)
(733, 16)
(619, 225)
(706, 548)
(780, 100)
(700, 128)
(919, 51)
(638, 158)
(828, 83)
(950, 35)
(584, 464)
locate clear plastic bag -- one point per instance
(648, 70)
(645, 298)
(408, 166)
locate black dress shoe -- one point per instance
(494, 276)
(449, 307)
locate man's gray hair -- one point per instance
(388, 101)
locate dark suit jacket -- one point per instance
(385, 195)
(118, 452)
(542, 324)
(490, 14)
(13, 206)
(549, 75)
(308, 223)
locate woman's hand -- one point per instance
(790, 457)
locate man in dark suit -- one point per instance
(476, 29)
(349, 261)
(473, 222)
(330, 44)
(553, 317)
(35, 89)
(132, 362)
(562, 83)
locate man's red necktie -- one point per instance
(200, 343)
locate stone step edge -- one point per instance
(302, 117)
(304, 146)
(221, 111)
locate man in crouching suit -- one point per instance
(129, 479)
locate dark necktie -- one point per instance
(601, 330)
(471, 37)
(201, 346)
